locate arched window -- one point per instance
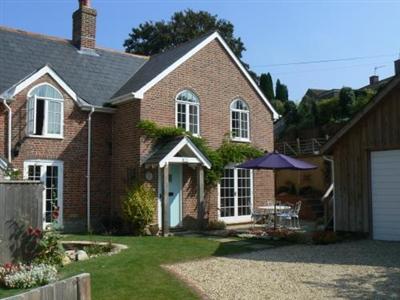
(187, 111)
(45, 108)
(240, 129)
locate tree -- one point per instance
(347, 98)
(281, 91)
(153, 37)
(267, 86)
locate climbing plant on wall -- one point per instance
(228, 152)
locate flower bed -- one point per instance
(20, 276)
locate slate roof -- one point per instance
(94, 78)
(163, 151)
(157, 64)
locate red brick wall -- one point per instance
(125, 149)
(215, 78)
(72, 150)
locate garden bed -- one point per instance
(83, 250)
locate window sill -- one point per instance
(45, 137)
(240, 140)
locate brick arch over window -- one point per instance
(45, 110)
(188, 111)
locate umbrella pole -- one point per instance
(275, 193)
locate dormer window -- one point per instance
(240, 127)
(187, 111)
(45, 110)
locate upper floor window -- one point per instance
(45, 109)
(187, 111)
(240, 128)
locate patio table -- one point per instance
(270, 209)
(278, 207)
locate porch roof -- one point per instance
(179, 150)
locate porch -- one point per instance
(173, 160)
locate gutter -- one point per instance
(89, 157)
(9, 157)
(330, 159)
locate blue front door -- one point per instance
(175, 184)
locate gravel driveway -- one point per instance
(352, 270)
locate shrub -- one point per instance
(297, 238)
(27, 276)
(45, 245)
(139, 207)
(216, 225)
(324, 237)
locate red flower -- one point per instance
(30, 230)
(55, 214)
(37, 232)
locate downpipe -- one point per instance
(9, 157)
(89, 157)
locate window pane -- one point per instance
(39, 116)
(243, 125)
(235, 124)
(227, 201)
(244, 192)
(46, 91)
(187, 96)
(193, 119)
(54, 117)
(51, 193)
(181, 115)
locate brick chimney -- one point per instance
(84, 26)
(374, 79)
(397, 67)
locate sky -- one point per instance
(276, 34)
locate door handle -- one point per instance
(170, 194)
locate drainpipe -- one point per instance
(9, 129)
(89, 156)
(329, 159)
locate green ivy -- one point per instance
(228, 152)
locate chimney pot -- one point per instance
(374, 79)
(397, 67)
(84, 3)
(84, 26)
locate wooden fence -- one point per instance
(20, 207)
(73, 288)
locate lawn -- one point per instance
(136, 273)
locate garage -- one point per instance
(385, 194)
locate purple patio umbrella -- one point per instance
(276, 161)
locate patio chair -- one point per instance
(285, 216)
(257, 216)
(295, 215)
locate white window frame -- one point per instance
(45, 116)
(60, 201)
(240, 111)
(236, 218)
(187, 108)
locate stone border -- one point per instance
(117, 248)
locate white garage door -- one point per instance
(385, 179)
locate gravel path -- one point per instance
(353, 270)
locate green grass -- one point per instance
(136, 273)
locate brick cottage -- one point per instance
(69, 117)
